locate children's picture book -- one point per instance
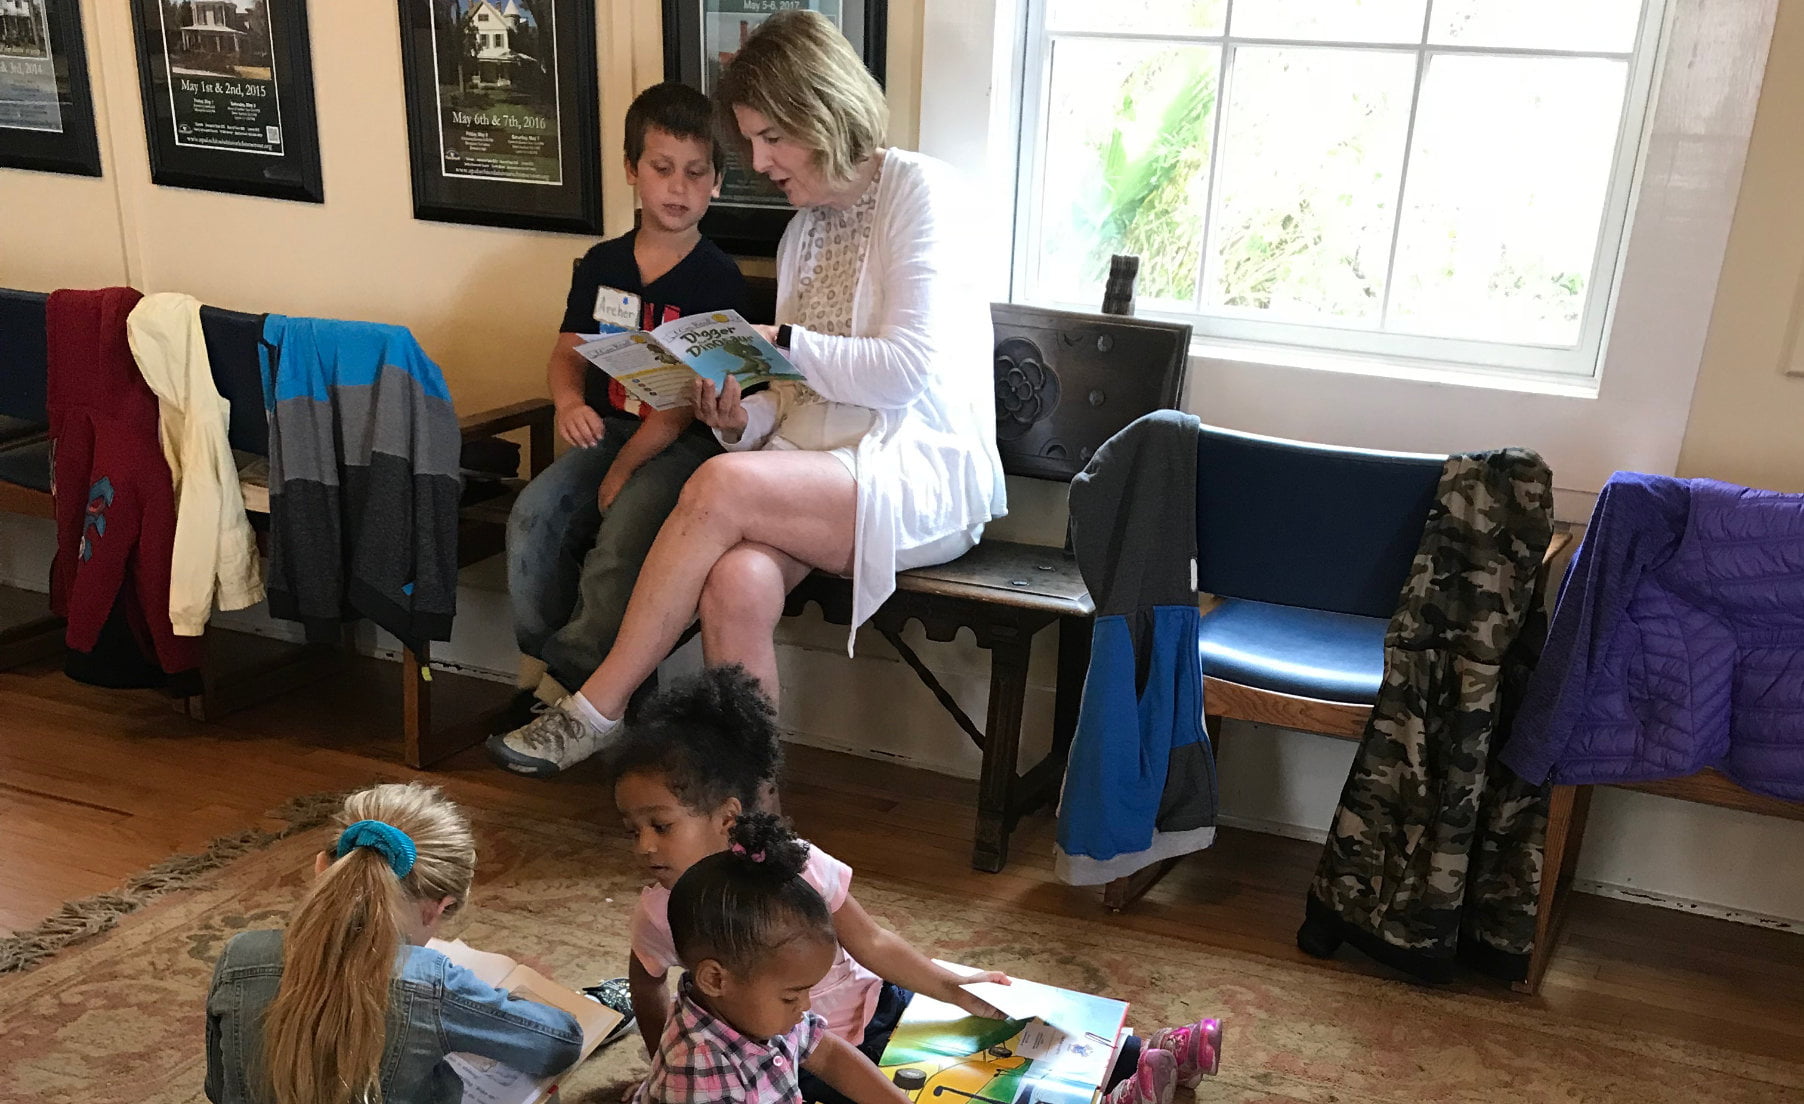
(657, 367)
(487, 1081)
(1055, 1047)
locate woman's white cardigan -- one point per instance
(921, 357)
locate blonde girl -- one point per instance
(348, 1006)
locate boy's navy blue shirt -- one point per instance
(705, 280)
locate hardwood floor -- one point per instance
(95, 785)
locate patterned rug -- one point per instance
(118, 1017)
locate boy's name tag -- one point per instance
(614, 307)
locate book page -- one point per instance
(648, 371)
(722, 344)
(487, 1081)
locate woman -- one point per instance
(885, 460)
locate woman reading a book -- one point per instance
(884, 459)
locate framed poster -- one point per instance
(228, 96)
(700, 37)
(46, 111)
(501, 112)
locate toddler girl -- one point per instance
(687, 766)
(348, 1005)
(754, 938)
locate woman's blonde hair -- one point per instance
(324, 1032)
(799, 72)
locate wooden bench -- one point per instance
(1066, 382)
(1568, 811)
(25, 490)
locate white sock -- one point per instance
(578, 706)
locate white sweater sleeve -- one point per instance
(924, 278)
(761, 421)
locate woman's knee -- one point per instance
(744, 589)
(724, 484)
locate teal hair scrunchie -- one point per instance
(384, 839)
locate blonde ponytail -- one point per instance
(324, 1034)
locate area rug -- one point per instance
(119, 1017)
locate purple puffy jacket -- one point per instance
(1677, 644)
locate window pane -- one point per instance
(1200, 17)
(1603, 25)
(1330, 20)
(1126, 167)
(1506, 190)
(1311, 151)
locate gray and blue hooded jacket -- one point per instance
(363, 479)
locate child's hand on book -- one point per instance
(579, 425)
(963, 998)
(724, 412)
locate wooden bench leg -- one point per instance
(1001, 745)
(1567, 810)
(422, 744)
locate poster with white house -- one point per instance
(218, 56)
(498, 90)
(28, 97)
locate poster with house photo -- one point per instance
(219, 65)
(497, 79)
(28, 94)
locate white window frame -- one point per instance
(1632, 416)
(1580, 360)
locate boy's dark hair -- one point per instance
(677, 110)
(712, 737)
(737, 905)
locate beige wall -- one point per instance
(1747, 416)
(484, 302)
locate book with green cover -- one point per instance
(1055, 1047)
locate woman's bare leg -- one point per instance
(801, 504)
(741, 603)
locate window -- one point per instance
(1440, 181)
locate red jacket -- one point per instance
(115, 498)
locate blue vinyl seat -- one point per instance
(1303, 653)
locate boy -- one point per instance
(579, 532)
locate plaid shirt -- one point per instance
(702, 1059)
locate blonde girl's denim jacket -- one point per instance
(435, 1007)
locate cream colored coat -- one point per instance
(920, 357)
(215, 556)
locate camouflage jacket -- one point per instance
(1435, 850)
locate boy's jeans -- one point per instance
(570, 570)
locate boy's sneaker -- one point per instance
(554, 741)
(1196, 1046)
(518, 713)
(1154, 1080)
(614, 993)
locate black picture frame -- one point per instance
(749, 217)
(477, 145)
(212, 119)
(46, 103)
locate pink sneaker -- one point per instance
(1196, 1046)
(1153, 1082)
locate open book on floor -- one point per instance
(487, 1081)
(657, 367)
(1056, 1047)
